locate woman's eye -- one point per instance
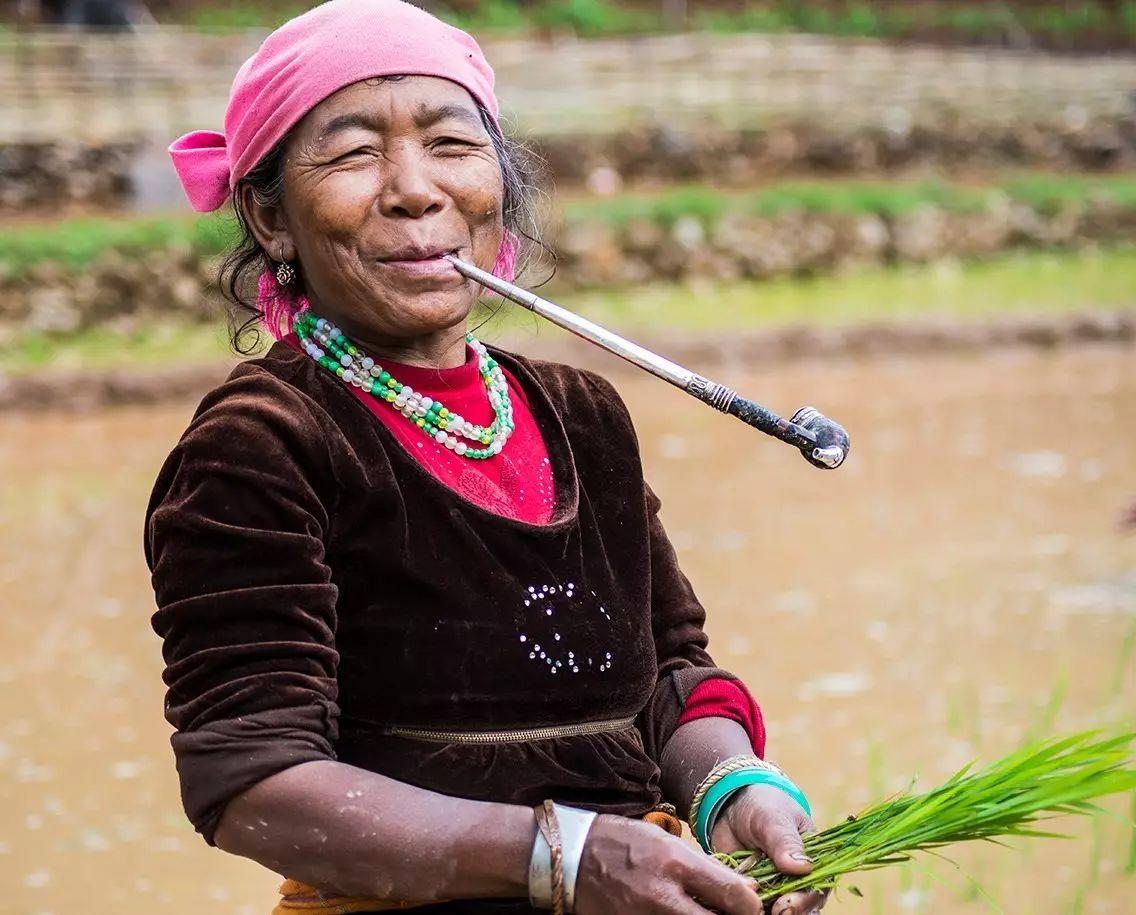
(452, 141)
(353, 154)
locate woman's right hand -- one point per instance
(631, 866)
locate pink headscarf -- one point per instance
(299, 65)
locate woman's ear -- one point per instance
(266, 222)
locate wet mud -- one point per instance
(958, 586)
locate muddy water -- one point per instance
(960, 584)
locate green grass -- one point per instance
(75, 243)
(1016, 283)
(230, 16)
(1123, 659)
(1044, 191)
(598, 18)
(1130, 864)
(1059, 22)
(1092, 877)
(103, 348)
(1011, 284)
(1048, 192)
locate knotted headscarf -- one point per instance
(299, 65)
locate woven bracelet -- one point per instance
(726, 787)
(720, 771)
(760, 771)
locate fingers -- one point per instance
(678, 904)
(800, 903)
(805, 824)
(722, 837)
(771, 820)
(781, 841)
(722, 889)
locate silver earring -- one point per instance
(284, 271)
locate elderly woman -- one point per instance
(427, 643)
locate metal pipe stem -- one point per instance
(582, 327)
(819, 450)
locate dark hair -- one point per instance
(242, 265)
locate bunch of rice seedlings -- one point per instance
(1046, 779)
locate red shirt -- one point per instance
(518, 483)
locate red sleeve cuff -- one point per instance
(721, 698)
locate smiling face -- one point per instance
(380, 179)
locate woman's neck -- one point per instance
(441, 349)
(444, 350)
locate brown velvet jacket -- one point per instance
(315, 584)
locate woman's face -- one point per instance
(380, 179)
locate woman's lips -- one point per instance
(433, 266)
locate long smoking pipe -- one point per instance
(822, 442)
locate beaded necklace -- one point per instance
(329, 347)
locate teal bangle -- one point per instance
(721, 791)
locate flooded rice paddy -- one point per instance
(960, 585)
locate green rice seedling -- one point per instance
(1047, 717)
(1010, 798)
(1123, 658)
(1092, 877)
(964, 717)
(1130, 864)
(876, 777)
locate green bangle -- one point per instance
(721, 791)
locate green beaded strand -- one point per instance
(314, 334)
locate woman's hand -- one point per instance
(630, 866)
(765, 819)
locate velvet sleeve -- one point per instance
(677, 617)
(680, 641)
(235, 534)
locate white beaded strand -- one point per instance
(360, 369)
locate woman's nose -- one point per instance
(409, 190)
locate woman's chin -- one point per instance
(431, 311)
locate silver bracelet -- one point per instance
(574, 826)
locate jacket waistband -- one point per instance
(523, 735)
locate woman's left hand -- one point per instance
(765, 819)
